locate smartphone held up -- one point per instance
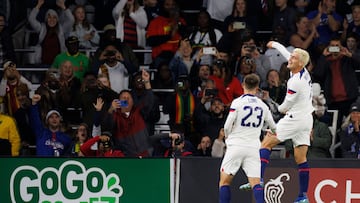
(209, 50)
(122, 103)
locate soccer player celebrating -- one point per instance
(243, 125)
(298, 121)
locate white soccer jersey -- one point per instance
(245, 120)
(298, 99)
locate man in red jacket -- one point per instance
(105, 148)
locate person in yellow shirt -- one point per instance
(9, 136)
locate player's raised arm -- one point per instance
(280, 48)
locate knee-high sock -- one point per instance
(265, 158)
(303, 178)
(224, 194)
(258, 191)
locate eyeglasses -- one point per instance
(248, 61)
(220, 63)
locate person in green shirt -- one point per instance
(79, 60)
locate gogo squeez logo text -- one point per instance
(70, 183)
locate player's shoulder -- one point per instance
(237, 101)
(302, 77)
(253, 100)
(243, 99)
(303, 74)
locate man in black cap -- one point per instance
(209, 122)
(79, 60)
(350, 133)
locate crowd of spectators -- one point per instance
(104, 104)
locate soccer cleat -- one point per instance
(247, 186)
(302, 200)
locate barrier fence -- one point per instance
(184, 180)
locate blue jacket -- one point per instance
(44, 142)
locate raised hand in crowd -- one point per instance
(174, 136)
(99, 104)
(35, 99)
(320, 7)
(104, 138)
(40, 3)
(11, 72)
(61, 4)
(146, 79)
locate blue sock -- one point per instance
(264, 157)
(224, 194)
(303, 178)
(258, 191)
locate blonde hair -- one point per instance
(303, 56)
(104, 75)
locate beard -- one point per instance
(54, 85)
(216, 114)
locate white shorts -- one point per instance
(296, 129)
(245, 157)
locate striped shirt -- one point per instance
(130, 34)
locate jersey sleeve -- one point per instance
(291, 96)
(281, 49)
(228, 126)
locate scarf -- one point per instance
(12, 101)
(184, 107)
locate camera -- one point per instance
(209, 50)
(179, 140)
(180, 84)
(211, 92)
(54, 75)
(106, 144)
(110, 53)
(239, 25)
(249, 61)
(334, 49)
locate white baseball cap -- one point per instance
(52, 112)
